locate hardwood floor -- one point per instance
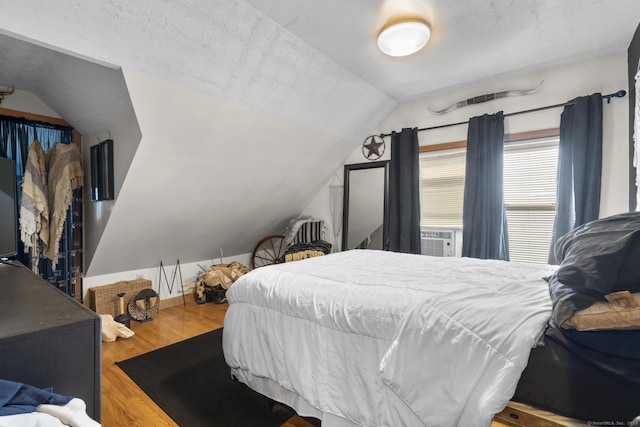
(125, 404)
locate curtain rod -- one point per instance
(30, 122)
(618, 94)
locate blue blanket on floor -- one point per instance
(18, 398)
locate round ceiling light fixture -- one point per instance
(404, 37)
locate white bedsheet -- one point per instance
(31, 419)
(376, 338)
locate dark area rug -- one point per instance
(192, 383)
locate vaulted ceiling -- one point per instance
(271, 96)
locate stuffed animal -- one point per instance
(111, 329)
(212, 284)
(199, 294)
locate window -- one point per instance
(530, 197)
(442, 188)
(530, 167)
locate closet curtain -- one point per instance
(404, 193)
(484, 222)
(579, 166)
(17, 134)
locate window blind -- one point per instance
(530, 169)
(442, 188)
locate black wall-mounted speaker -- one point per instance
(102, 171)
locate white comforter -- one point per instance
(377, 338)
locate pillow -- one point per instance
(620, 311)
(596, 259)
(297, 256)
(300, 251)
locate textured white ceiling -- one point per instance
(470, 41)
(315, 62)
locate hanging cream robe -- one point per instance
(65, 175)
(34, 206)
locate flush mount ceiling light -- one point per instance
(404, 37)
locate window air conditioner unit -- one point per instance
(442, 242)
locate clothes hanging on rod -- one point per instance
(34, 206)
(64, 162)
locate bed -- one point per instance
(375, 338)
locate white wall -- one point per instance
(228, 183)
(126, 136)
(605, 74)
(20, 100)
(320, 206)
(188, 271)
(208, 174)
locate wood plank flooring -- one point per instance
(125, 404)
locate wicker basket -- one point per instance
(104, 299)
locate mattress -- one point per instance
(583, 379)
(377, 338)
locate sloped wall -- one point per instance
(208, 174)
(126, 136)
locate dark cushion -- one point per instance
(597, 258)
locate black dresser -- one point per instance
(47, 339)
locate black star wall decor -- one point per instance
(373, 147)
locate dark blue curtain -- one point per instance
(404, 193)
(579, 166)
(17, 134)
(484, 222)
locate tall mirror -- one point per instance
(365, 205)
